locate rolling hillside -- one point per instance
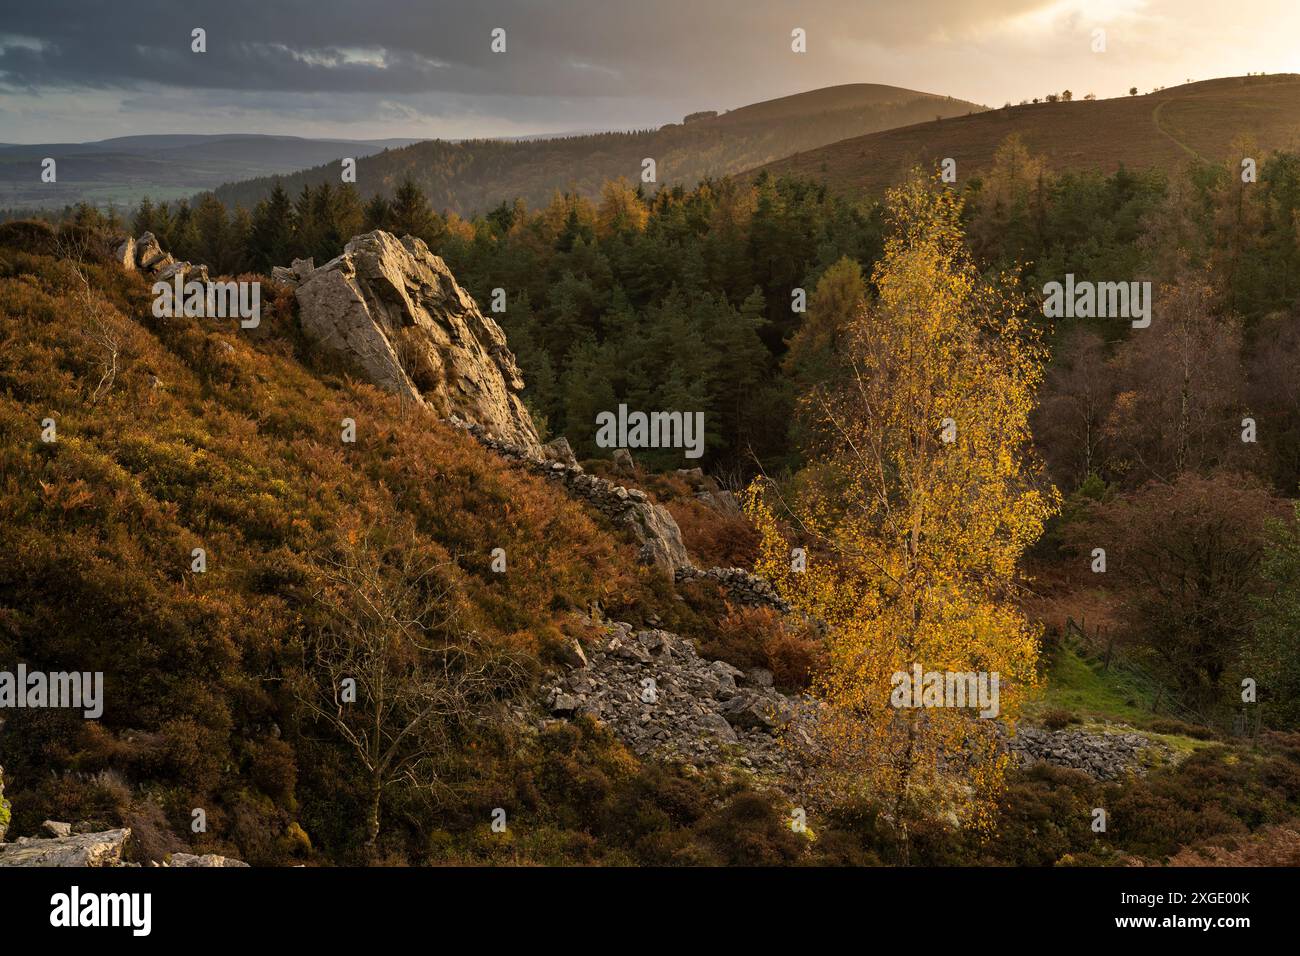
(1157, 129)
(476, 175)
(125, 169)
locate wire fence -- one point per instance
(1135, 680)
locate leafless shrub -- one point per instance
(74, 249)
(388, 632)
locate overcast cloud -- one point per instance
(377, 68)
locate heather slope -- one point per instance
(1162, 129)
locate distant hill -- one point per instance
(169, 166)
(1164, 128)
(472, 176)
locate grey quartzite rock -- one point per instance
(146, 256)
(80, 849)
(393, 310)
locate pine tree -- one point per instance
(143, 220)
(271, 236)
(376, 213)
(307, 227)
(214, 246)
(409, 213)
(587, 392)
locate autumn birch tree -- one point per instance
(920, 499)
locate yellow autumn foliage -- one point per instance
(919, 501)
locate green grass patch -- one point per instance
(1083, 688)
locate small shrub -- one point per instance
(751, 637)
(1056, 719)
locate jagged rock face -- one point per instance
(394, 311)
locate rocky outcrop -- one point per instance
(78, 849)
(147, 256)
(104, 848)
(650, 523)
(394, 312)
(662, 699)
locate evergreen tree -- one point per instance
(271, 235)
(409, 213)
(376, 213)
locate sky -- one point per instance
(364, 69)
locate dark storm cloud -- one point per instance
(80, 70)
(557, 48)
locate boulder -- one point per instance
(125, 255)
(693, 477)
(571, 653)
(623, 463)
(658, 643)
(717, 726)
(147, 250)
(81, 849)
(166, 272)
(559, 450)
(564, 703)
(56, 829)
(628, 650)
(394, 311)
(746, 710)
(726, 679)
(659, 535)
